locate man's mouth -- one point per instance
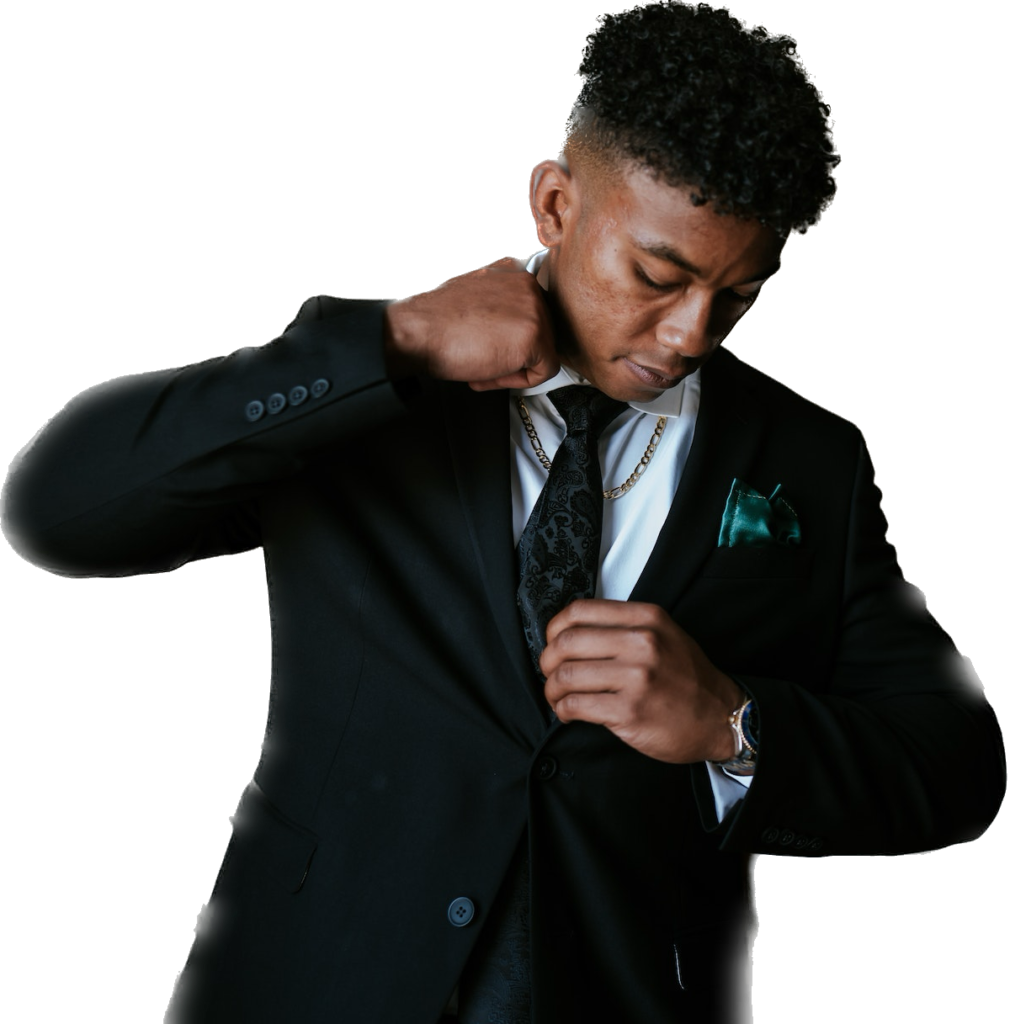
(651, 376)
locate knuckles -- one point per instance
(639, 683)
(647, 645)
(655, 617)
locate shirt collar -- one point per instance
(668, 403)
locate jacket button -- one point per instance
(298, 394)
(787, 837)
(320, 387)
(547, 768)
(801, 842)
(770, 835)
(461, 912)
(253, 411)
(275, 403)
(815, 845)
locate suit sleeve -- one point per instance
(145, 473)
(899, 753)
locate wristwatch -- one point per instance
(746, 729)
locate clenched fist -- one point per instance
(628, 666)
(490, 328)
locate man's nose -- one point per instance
(687, 328)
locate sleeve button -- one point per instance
(254, 411)
(298, 394)
(275, 403)
(320, 387)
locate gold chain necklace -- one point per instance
(614, 492)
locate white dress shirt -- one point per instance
(632, 521)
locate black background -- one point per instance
(213, 164)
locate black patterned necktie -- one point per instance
(559, 554)
(559, 550)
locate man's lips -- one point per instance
(648, 375)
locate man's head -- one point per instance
(694, 148)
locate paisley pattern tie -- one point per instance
(559, 554)
(559, 550)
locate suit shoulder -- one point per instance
(776, 400)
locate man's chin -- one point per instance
(626, 381)
(640, 396)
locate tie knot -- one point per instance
(586, 410)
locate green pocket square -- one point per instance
(751, 519)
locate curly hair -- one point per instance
(702, 102)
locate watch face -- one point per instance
(750, 724)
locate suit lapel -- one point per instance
(726, 439)
(477, 424)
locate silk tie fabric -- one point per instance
(559, 554)
(559, 550)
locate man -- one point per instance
(693, 273)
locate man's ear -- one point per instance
(552, 194)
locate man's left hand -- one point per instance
(630, 667)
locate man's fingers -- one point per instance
(490, 327)
(581, 643)
(601, 708)
(544, 368)
(587, 677)
(601, 612)
(528, 377)
(589, 690)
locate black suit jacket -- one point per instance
(408, 749)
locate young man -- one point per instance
(414, 757)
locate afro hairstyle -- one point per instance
(703, 102)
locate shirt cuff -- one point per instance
(727, 790)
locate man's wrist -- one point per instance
(402, 358)
(731, 696)
(744, 725)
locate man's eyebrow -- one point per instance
(663, 251)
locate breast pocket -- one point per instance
(761, 610)
(773, 561)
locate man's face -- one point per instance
(645, 285)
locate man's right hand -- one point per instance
(490, 328)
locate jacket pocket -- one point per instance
(772, 561)
(711, 967)
(270, 842)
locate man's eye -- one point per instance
(743, 298)
(734, 296)
(655, 285)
